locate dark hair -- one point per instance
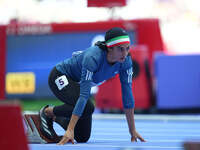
(111, 33)
(115, 32)
(101, 45)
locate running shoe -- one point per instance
(46, 125)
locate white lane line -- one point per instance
(146, 134)
(117, 146)
(128, 140)
(147, 130)
(141, 117)
(150, 117)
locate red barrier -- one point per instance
(2, 60)
(11, 127)
(106, 3)
(142, 89)
(109, 94)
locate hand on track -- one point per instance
(68, 137)
(137, 136)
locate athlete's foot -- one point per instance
(49, 112)
(46, 124)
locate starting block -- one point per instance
(34, 134)
(12, 132)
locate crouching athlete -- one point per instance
(71, 81)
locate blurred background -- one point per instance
(37, 34)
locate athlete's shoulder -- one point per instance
(93, 56)
(94, 51)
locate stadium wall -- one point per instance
(32, 50)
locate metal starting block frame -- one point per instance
(33, 132)
(34, 135)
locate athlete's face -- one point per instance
(120, 52)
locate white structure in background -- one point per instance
(180, 19)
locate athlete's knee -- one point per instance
(83, 128)
(82, 139)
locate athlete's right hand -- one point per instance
(67, 137)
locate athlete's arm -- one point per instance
(131, 124)
(85, 87)
(69, 134)
(127, 98)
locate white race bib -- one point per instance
(61, 82)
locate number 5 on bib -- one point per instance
(61, 82)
